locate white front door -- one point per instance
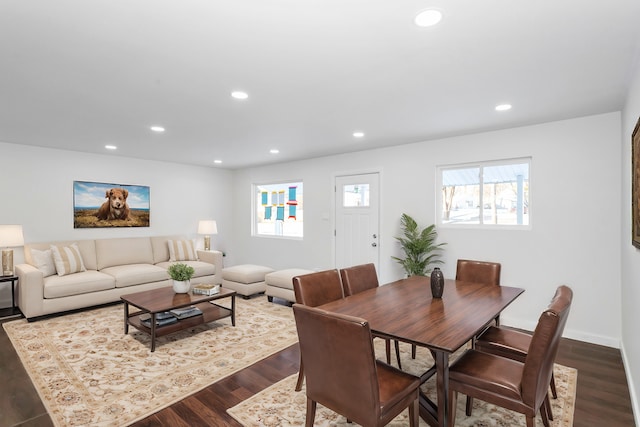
(357, 202)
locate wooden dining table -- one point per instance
(404, 310)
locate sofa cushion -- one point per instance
(114, 252)
(43, 261)
(77, 283)
(87, 250)
(284, 278)
(161, 248)
(67, 259)
(201, 268)
(136, 274)
(182, 250)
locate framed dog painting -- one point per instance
(635, 185)
(97, 204)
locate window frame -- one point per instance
(481, 165)
(255, 194)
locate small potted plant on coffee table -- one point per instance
(181, 275)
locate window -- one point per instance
(355, 195)
(485, 194)
(278, 209)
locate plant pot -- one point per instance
(181, 286)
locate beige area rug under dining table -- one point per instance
(88, 373)
(281, 406)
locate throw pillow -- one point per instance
(67, 259)
(43, 261)
(182, 250)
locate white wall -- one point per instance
(575, 235)
(36, 185)
(630, 261)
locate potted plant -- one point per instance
(419, 246)
(181, 275)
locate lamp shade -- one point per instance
(207, 227)
(11, 236)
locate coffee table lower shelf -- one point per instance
(210, 313)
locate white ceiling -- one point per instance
(79, 74)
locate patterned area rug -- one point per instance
(281, 406)
(88, 372)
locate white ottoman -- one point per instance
(280, 283)
(245, 279)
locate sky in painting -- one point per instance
(92, 194)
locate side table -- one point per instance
(12, 311)
(11, 279)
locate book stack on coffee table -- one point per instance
(183, 313)
(162, 319)
(205, 289)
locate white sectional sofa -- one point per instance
(113, 267)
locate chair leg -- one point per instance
(469, 406)
(387, 349)
(413, 351)
(311, 413)
(398, 354)
(453, 402)
(547, 405)
(554, 393)
(544, 414)
(300, 377)
(531, 421)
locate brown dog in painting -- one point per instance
(116, 206)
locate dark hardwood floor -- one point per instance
(602, 393)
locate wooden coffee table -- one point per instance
(165, 299)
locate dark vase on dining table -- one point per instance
(437, 283)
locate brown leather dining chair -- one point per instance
(520, 387)
(484, 272)
(478, 271)
(315, 289)
(511, 344)
(508, 343)
(360, 278)
(343, 374)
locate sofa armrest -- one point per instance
(30, 289)
(215, 258)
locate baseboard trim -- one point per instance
(632, 390)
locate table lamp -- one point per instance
(207, 227)
(10, 236)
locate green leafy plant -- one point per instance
(419, 247)
(180, 272)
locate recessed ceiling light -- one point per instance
(503, 107)
(428, 18)
(358, 134)
(274, 151)
(110, 147)
(238, 94)
(157, 128)
(217, 161)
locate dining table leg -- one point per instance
(436, 413)
(442, 385)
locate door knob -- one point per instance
(374, 244)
